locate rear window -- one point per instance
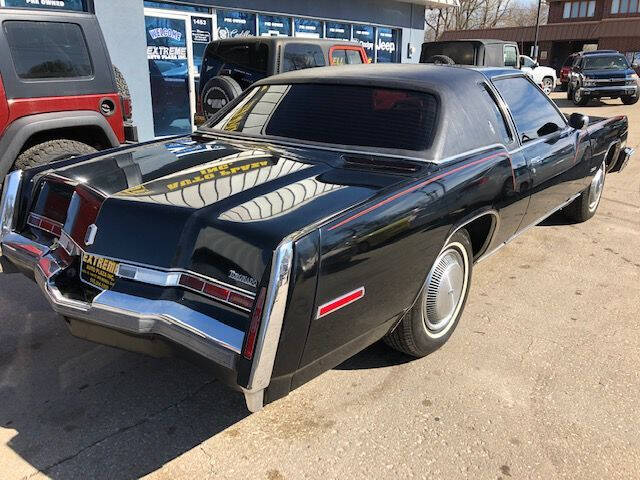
(336, 114)
(251, 55)
(462, 53)
(44, 50)
(298, 56)
(605, 62)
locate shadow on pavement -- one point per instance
(72, 409)
(557, 219)
(377, 355)
(566, 103)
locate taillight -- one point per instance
(127, 109)
(217, 292)
(254, 326)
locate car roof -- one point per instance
(417, 76)
(599, 52)
(485, 41)
(452, 85)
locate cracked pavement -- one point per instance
(540, 380)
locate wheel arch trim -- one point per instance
(469, 219)
(21, 130)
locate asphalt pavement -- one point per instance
(540, 380)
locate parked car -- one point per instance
(60, 95)
(601, 74)
(321, 211)
(481, 53)
(565, 70)
(543, 76)
(231, 65)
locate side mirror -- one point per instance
(578, 121)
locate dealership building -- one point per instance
(166, 39)
(573, 26)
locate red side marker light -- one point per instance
(340, 302)
(254, 326)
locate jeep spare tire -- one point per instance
(121, 83)
(52, 151)
(441, 60)
(217, 92)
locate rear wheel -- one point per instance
(51, 151)
(435, 315)
(217, 93)
(630, 99)
(585, 206)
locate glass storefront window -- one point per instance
(387, 45)
(234, 23)
(341, 31)
(365, 34)
(306, 27)
(274, 26)
(169, 75)
(78, 5)
(201, 28)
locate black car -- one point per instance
(602, 74)
(231, 65)
(478, 52)
(320, 212)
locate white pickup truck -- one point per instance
(544, 76)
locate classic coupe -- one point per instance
(321, 211)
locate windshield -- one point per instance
(606, 62)
(335, 114)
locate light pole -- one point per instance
(534, 54)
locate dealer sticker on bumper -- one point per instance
(99, 272)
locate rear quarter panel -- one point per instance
(388, 246)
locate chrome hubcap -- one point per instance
(446, 287)
(546, 86)
(577, 96)
(597, 186)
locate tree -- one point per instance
(476, 14)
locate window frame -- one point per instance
(520, 142)
(333, 48)
(87, 47)
(493, 93)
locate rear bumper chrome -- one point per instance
(138, 316)
(199, 333)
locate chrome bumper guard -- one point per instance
(625, 156)
(193, 330)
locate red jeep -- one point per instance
(60, 95)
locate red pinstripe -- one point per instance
(420, 185)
